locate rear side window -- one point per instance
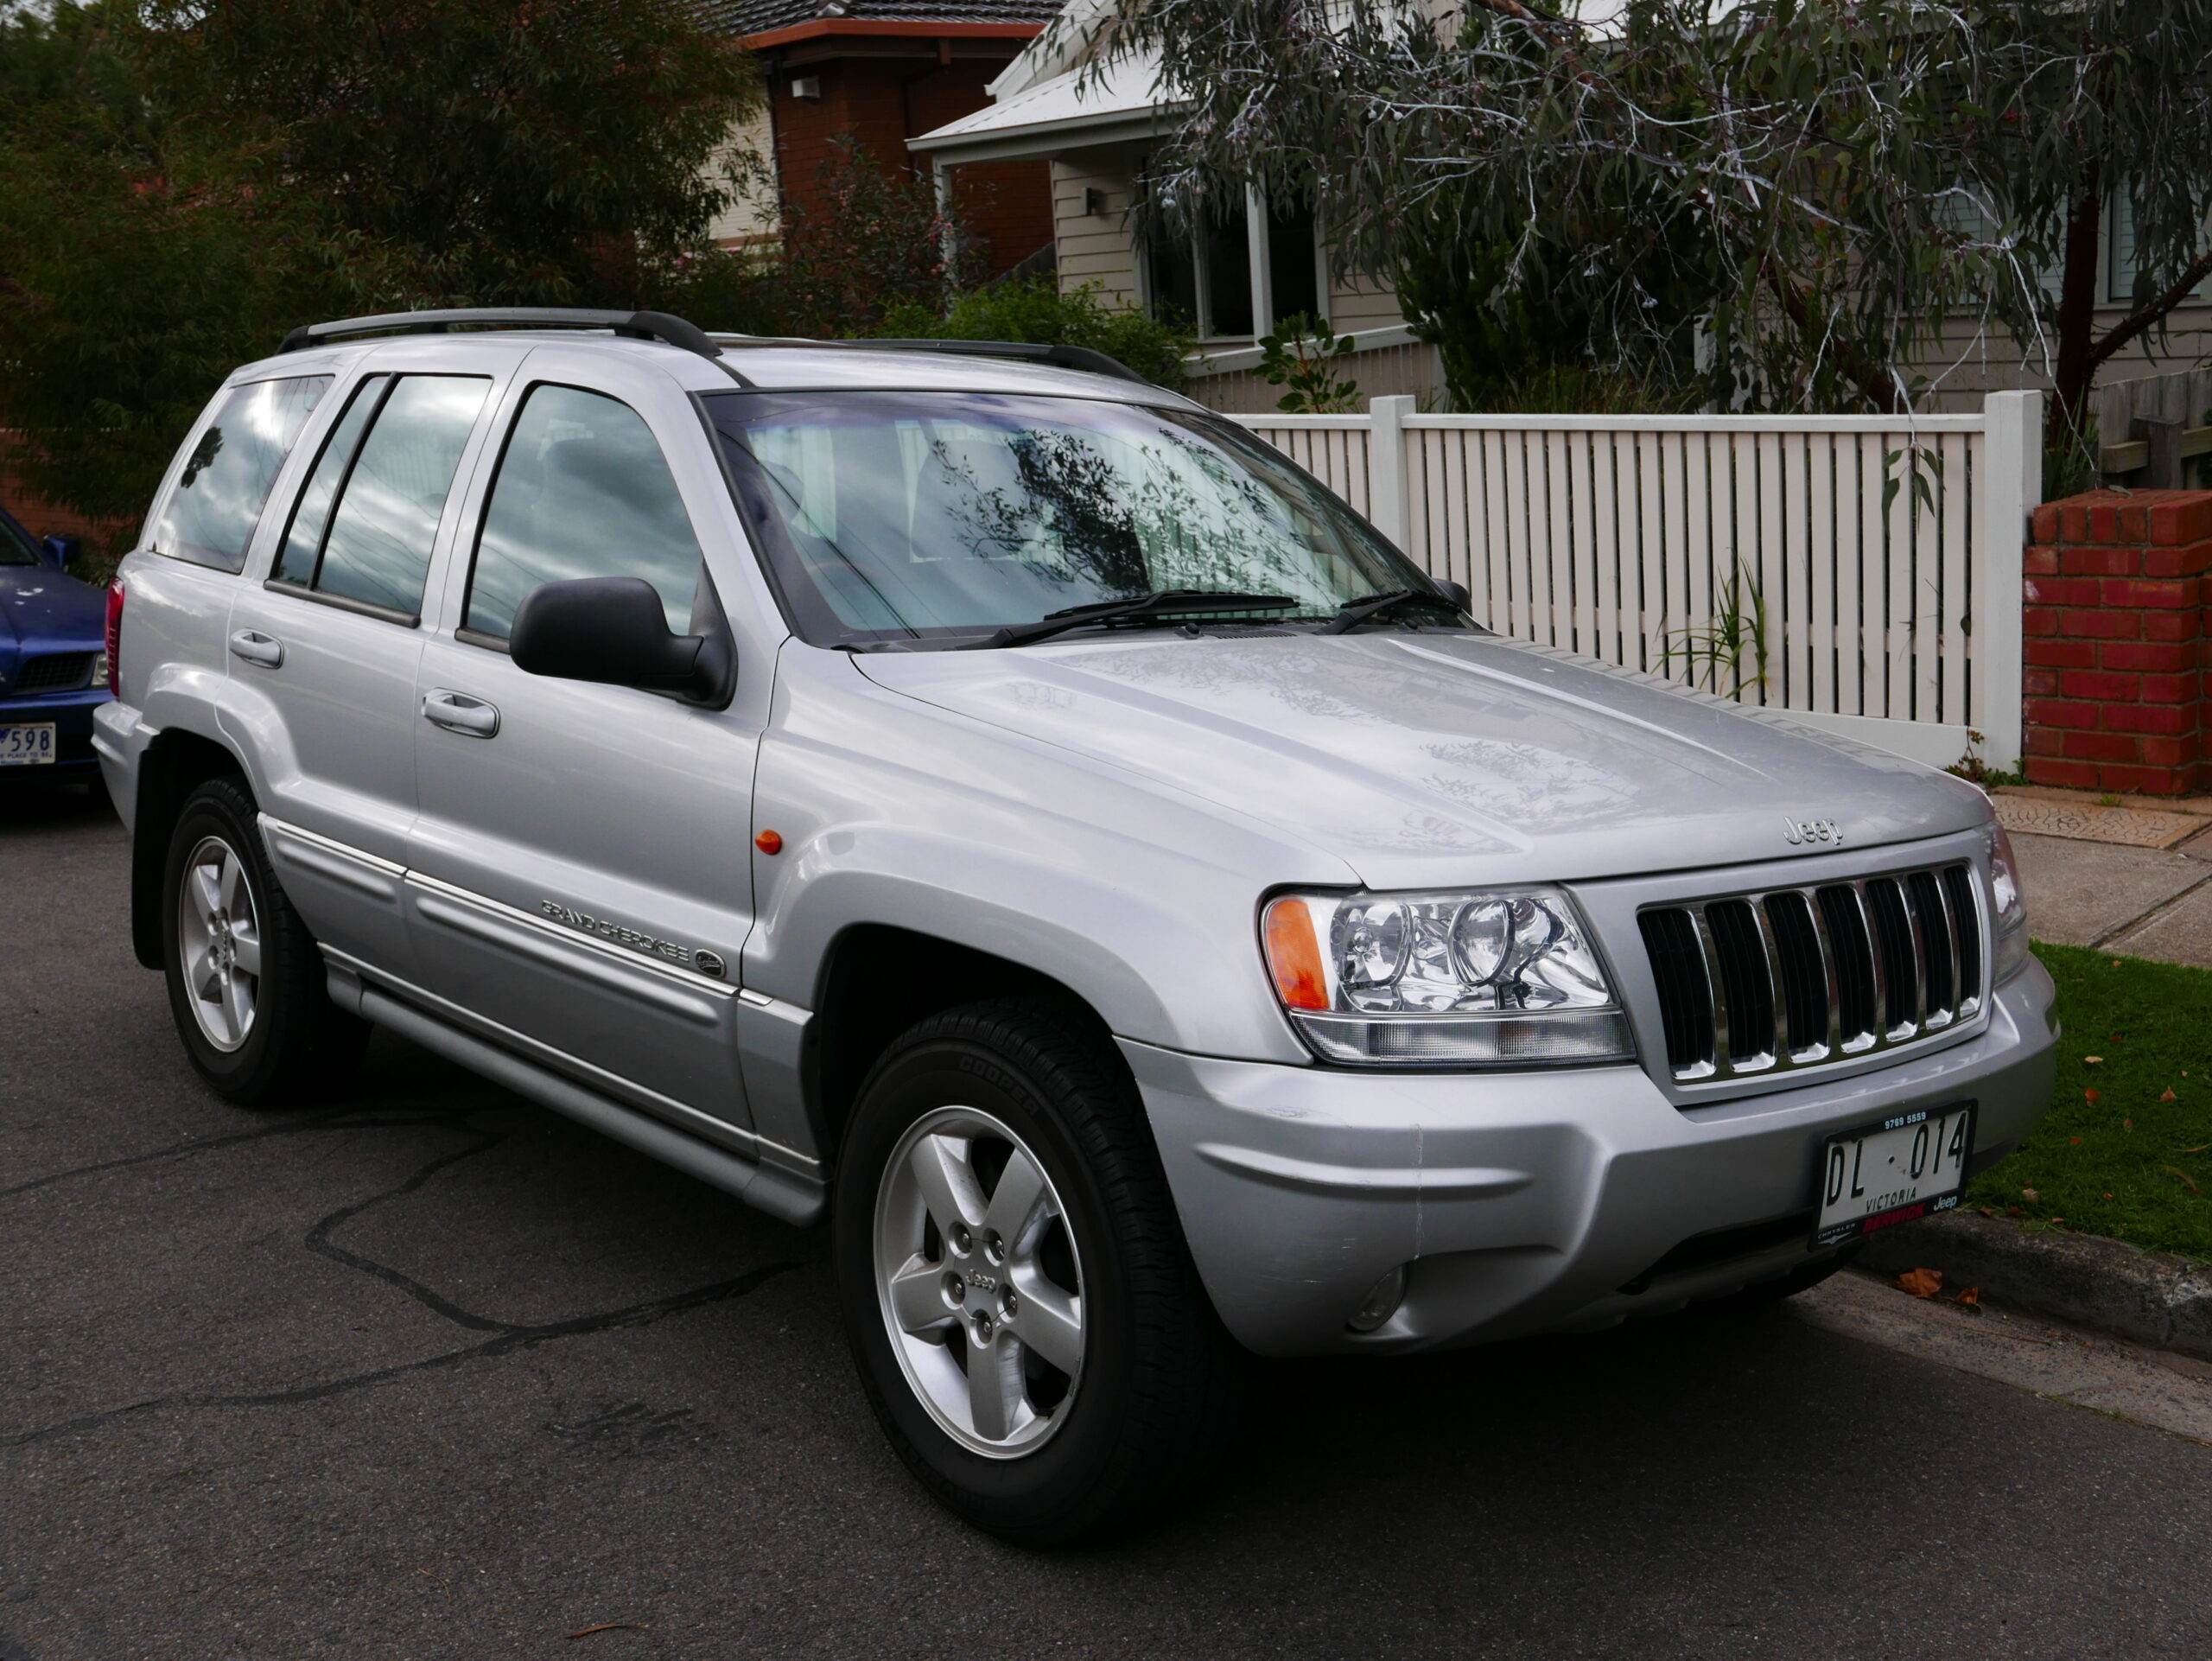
(218, 496)
(583, 490)
(366, 521)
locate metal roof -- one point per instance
(748, 17)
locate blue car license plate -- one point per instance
(28, 745)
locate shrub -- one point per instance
(1036, 310)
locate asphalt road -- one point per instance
(432, 1373)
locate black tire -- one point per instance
(297, 1043)
(1764, 1295)
(1154, 1403)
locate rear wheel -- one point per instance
(1018, 1296)
(246, 981)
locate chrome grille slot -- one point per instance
(1794, 978)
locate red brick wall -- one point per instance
(2116, 584)
(882, 102)
(43, 519)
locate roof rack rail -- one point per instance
(1088, 358)
(636, 325)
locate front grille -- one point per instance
(1793, 977)
(55, 672)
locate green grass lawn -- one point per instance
(2127, 1149)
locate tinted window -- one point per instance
(390, 465)
(583, 490)
(16, 545)
(210, 518)
(311, 518)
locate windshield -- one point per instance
(16, 547)
(931, 518)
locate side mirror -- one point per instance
(59, 550)
(1455, 592)
(612, 630)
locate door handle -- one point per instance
(254, 646)
(457, 712)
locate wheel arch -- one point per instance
(878, 980)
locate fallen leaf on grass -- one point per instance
(2127, 1125)
(2030, 1196)
(2184, 1176)
(1921, 1282)
(2090, 1097)
(2107, 1196)
(2206, 1148)
(2074, 1142)
(2169, 1097)
(2093, 1060)
(2014, 1211)
(608, 1626)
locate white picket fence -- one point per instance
(1876, 560)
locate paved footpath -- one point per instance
(434, 1374)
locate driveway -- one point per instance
(431, 1373)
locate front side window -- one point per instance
(366, 522)
(584, 490)
(16, 547)
(226, 478)
(927, 519)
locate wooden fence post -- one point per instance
(2012, 489)
(1389, 495)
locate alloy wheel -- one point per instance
(218, 940)
(978, 1279)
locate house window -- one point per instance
(2119, 250)
(1249, 266)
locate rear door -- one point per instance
(324, 647)
(580, 871)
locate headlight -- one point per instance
(2008, 913)
(1497, 977)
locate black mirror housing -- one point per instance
(1455, 592)
(612, 630)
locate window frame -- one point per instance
(277, 584)
(1260, 272)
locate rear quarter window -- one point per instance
(210, 516)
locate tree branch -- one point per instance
(2143, 316)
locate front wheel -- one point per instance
(1019, 1299)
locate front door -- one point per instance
(580, 882)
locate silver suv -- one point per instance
(1003, 810)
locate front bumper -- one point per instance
(72, 714)
(1525, 1202)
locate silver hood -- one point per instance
(1438, 758)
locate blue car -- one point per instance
(53, 659)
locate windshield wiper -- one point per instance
(1160, 602)
(1358, 611)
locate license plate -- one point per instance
(1906, 1166)
(28, 745)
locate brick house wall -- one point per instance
(881, 101)
(2115, 588)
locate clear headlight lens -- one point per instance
(1497, 978)
(2008, 911)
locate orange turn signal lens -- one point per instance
(769, 843)
(1294, 954)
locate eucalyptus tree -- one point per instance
(1808, 203)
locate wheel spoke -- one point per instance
(1050, 1323)
(994, 1389)
(230, 881)
(235, 1007)
(1014, 1204)
(947, 1181)
(917, 1297)
(207, 896)
(246, 949)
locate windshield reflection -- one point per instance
(923, 517)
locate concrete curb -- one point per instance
(2146, 1297)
